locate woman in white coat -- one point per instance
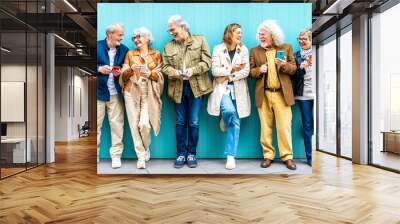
(230, 98)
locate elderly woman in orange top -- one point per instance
(142, 83)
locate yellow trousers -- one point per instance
(275, 108)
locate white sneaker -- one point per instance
(115, 163)
(147, 155)
(141, 164)
(230, 163)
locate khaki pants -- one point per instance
(115, 113)
(274, 108)
(138, 117)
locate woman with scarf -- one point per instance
(303, 89)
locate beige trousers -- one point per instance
(115, 113)
(138, 117)
(274, 108)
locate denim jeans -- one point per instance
(232, 124)
(307, 115)
(187, 122)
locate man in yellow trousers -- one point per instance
(272, 63)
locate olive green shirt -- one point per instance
(196, 55)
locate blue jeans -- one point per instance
(187, 122)
(307, 115)
(232, 124)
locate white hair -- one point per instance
(113, 27)
(271, 27)
(179, 21)
(143, 32)
(306, 32)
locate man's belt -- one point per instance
(273, 89)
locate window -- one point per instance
(327, 96)
(385, 89)
(346, 92)
(22, 76)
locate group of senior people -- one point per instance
(136, 78)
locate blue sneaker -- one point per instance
(179, 162)
(191, 161)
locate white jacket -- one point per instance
(222, 66)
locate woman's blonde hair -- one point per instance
(228, 33)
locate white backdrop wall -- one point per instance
(71, 102)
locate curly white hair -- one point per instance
(271, 26)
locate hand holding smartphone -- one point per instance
(143, 68)
(116, 70)
(309, 60)
(238, 66)
(280, 55)
(183, 72)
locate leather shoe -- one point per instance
(266, 163)
(290, 164)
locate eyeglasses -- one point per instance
(302, 39)
(170, 31)
(136, 37)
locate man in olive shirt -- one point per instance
(186, 61)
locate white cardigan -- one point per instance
(222, 66)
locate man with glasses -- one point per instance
(272, 63)
(186, 61)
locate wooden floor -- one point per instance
(70, 191)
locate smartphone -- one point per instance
(280, 55)
(243, 62)
(182, 73)
(116, 69)
(143, 68)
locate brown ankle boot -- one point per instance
(266, 163)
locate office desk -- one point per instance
(16, 147)
(391, 141)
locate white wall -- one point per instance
(70, 84)
(61, 103)
(12, 73)
(79, 115)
